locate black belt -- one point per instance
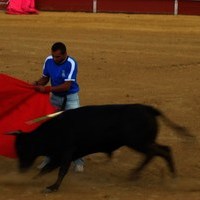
(63, 103)
(64, 100)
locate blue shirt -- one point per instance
(60, 73)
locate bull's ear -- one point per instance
(18, 132)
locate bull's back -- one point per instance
(105, 121)
(100, 119)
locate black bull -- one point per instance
(91, 129)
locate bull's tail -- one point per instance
(180, 130)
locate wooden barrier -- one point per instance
(3, 4)
(187, 7)
(136, 6)
(65, 5)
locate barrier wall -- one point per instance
(65, 5)
(187, 7)
(3, 4)
(136, 6)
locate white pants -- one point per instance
(72, 102)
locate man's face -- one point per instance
(58, 57)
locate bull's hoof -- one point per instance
(50, 189)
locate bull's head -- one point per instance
(24, 150)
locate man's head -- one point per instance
(59, 52)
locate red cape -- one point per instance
(19, 103)
(17, 7)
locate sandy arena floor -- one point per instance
(123, 58)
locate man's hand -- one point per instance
(35, 83)
(43, 89)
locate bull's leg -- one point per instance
(61, 174)
(165, 152)
(64, 167)
(136, 172)
(53, 164)
(150, 152)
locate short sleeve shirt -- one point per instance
(60, 73)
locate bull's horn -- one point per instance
(14, 132)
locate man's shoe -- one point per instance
(79, 168)
(44, 163)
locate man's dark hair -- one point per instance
(59, 46)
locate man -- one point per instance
(61, 70)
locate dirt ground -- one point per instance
(123, 58)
